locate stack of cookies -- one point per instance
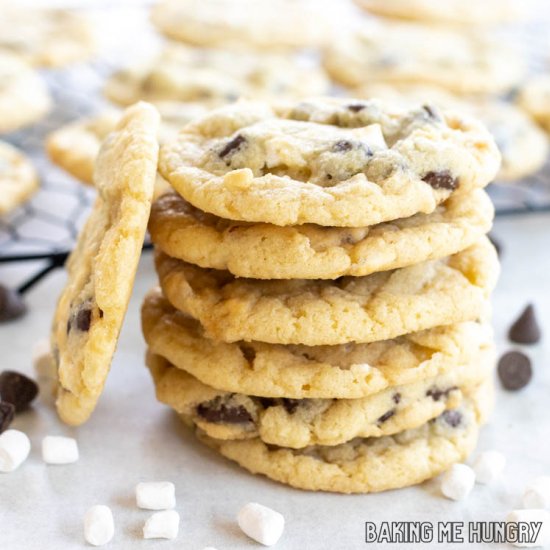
(322, 316)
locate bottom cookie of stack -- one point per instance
(400, 436)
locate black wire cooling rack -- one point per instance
(45, 228)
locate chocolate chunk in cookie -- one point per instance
(232, 145)
(219, 412)
(386, 416)
(17, 389)
(514, 370)
(441, 180)
(526, 329)
(453, 418)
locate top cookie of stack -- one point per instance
(310, 251)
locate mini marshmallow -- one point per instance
(488, 466)
(99, 526)
(57, 449)
(42, 360)
(209, 548)
(526, 517)
(159, 495)
(458, 482)
(14, 450)
(162, 525)
(537, 493)
(261, 523)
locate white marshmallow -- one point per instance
(162, 525)
(261, 523)
(157, 495)
(537, 493)
(458, 482)
(209, 548)
(42, 359)
(525, 517)
(57, 449)
(14, 450)
(488, 466)
(99, 526)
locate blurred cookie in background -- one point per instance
(45, 37)
(18, 178)
(523, 145)
(404, 53)
(24, 97)
(263, 24)
(214, 76)
(74, 147)
(453, 12)
(534, 98)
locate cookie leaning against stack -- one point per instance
(325, 282)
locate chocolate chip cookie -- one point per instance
(102, 267)
(299, 423)
(215, 77)
(24, 97)
(267, 251)
(399, 53)
(333, 162)
(345, 371)
(349, 309)
(368, 465)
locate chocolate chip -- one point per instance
(386, 416)
(441, 180)
(432, 113)
(436, 394)
(496, 243)
(396, 398)
(267, 402)
(525, 329)
(232, 145)
(342, 146)
(291, 405)
(453, 418)
(7, 412)
(218, 412)
(249, 353)
(11, 304)
(84, 319)
(17, 389)
(514, 370)
(356, 107)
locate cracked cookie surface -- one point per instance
(344, 371)
(267, 251)
(298, 423)
(349, 309)
(332, 162)
(102, 267)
